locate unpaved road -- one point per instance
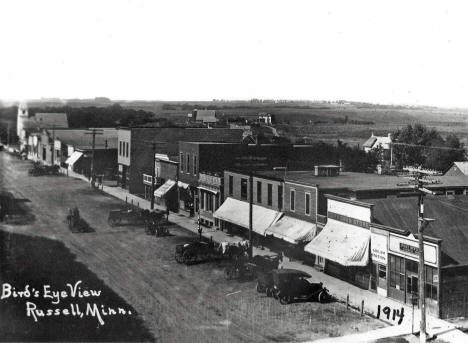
(175, 303)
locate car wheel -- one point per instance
(111, 222)
(275, 294)
(269, 292)
(285, 299)
(260, 288)
(323, 297)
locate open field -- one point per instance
(169, 302)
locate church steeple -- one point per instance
(22, 117)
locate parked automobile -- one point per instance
(293, 284)
(75, 222)
(40, 170)
(196, 252)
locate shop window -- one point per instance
(259, 192)
(231, 182)
(126, 149)
(307, 204)
(202, 200)
(431, 282)
(382, 271)
(270, 194)
(397, 272)
(195, 169)
(120, 148)
(181, 161)
(188, 163)
(280, 197)
(412, 266)
(292, 202)
(244, 188)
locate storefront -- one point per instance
(403, 257)
(210, 198)
(290, 235)
(342, 247)
(235, 215)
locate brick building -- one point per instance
(135, 153)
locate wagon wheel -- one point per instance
(177, 258)
(112, 221)
(260, 288)
(275, 294)
(186, 258)
(285, 299)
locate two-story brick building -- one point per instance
(136, 154)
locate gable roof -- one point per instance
(451, 223)
(463, 166)
(370, 142)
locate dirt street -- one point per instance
(168, 302)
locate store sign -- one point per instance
(349, 210)
(409, 247)
(379, 248)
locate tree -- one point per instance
(426, 147)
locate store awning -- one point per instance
(161, 191)
(237, 212)
(75, 156)
(343, 243)
(292, 230)
(183, 185)
(208, 189)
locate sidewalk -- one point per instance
(340, 289)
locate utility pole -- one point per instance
(153, 175)
(93, 132)
(417, 182)
(8, 134)
(250, 213)
(53, 145)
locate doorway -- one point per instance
(411, 287)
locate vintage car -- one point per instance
(293, 284)
(132, 217)
(40, 170)
(197, 252)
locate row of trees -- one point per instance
(426, 147)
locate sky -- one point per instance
(389, 52)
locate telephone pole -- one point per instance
(93, 132)
(53, 145)
(417, 182)
(153, 175)
(250, 213)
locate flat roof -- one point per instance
(358, 181)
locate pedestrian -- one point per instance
(200, 230)
(167, 213)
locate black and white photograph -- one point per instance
(234, 171)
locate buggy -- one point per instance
(292, 284)
(156, 224)
(196, 252)
(75, 222)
